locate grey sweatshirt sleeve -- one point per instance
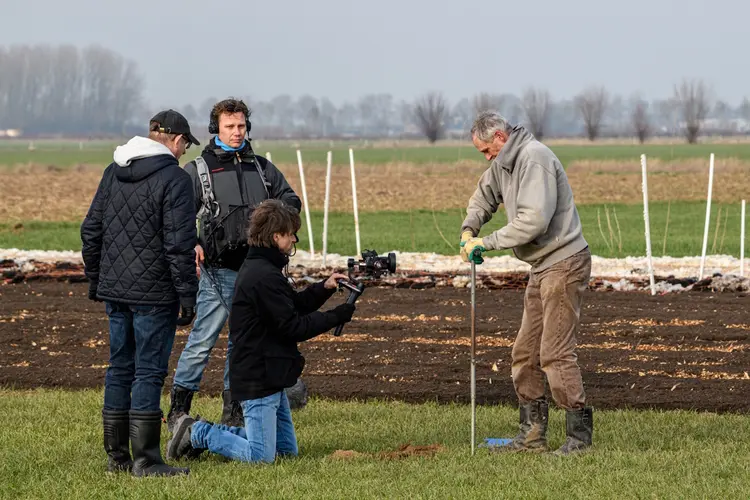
(535, 206)
(484, 202)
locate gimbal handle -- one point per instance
(355, 290)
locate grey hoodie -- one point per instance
(543, 224)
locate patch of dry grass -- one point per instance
(683, 180)
(64, 195)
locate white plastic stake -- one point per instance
(742, 240)
(268, 156)
(325, 207)
(708, 216)
(648, 225)
(304, 200)
(354, 201)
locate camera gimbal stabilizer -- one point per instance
(371, 266)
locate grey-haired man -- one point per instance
(543, 230)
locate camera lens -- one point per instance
(392, 262)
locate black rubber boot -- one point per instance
(180, 401)
(532, 435)
(297, 395)
(117, 440)
(579, 430)
(231, 414)
(145, 439)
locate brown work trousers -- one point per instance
(546, 341)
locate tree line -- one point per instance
(65, 90)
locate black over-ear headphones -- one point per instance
(213, 123)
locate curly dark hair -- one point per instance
(269, 217)
(229, 106)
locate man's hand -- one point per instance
(472, 251)
(92, 294)
(332, 282)
(465, 236)
(187, 314)
(199, 257)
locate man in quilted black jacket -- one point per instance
(138, 241)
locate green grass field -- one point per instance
(421, 231)
(52, 448)
(62, 154)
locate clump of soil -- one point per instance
(407, 450)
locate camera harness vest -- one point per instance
(209, 205)
(210, 210)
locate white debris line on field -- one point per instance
(628, 267)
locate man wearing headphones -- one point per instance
(229, 180)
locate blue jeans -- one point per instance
(210, 317)
(140, 342)
(268, 432)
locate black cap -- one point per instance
(172, 122)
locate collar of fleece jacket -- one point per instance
(273, 255)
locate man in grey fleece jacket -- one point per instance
(543, 230)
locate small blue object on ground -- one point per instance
(492, 442)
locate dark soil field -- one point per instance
(687, 351)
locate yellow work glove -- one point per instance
(473, 249)
(465, 236)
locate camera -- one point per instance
(371, 266)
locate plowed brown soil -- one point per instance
(688, 350)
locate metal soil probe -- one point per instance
(473, 349)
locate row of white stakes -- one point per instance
(705, 229)
(326, 203)
(645, 213)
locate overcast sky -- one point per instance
(189, 50)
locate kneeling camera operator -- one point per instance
(267, 320)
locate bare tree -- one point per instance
(640, 120)
(536, 106)
(693, 100)
(308, 113)
(346, 117)
(462, 115)
(487, 102)
(667, 110)
(592, 103)
(327, 112)
(744, 109)
(431, 113)
(283, 111)
(406, 114)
